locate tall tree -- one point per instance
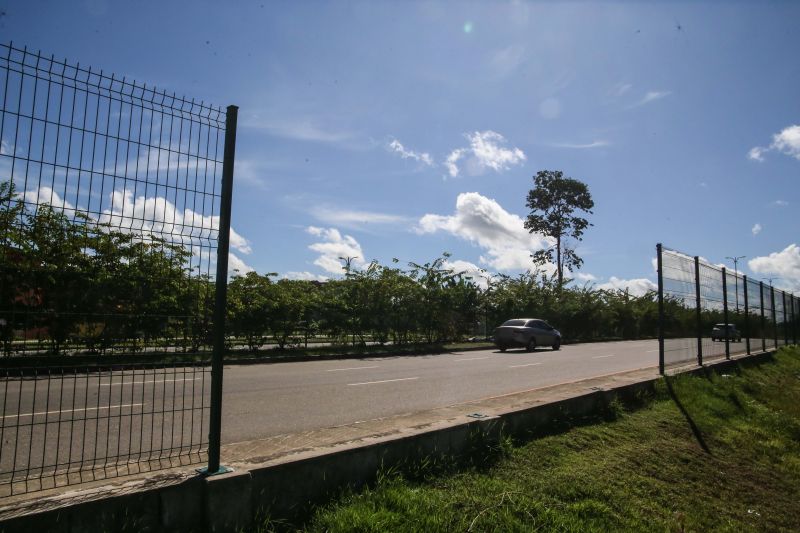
(553, 203)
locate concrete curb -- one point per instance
(289, 486)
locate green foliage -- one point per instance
(553, 204)
(74, 280)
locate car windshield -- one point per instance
(514, 323)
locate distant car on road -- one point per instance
(527, 333)
(720, 332)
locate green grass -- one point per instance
(714, 452)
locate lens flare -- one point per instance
(468, 26)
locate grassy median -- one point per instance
(716, 452)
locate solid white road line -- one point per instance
(351, 368)
(76, 410)
(603, 356)
(520, 366)
(382, 381)
(469, 359)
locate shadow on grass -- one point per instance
(695, 430)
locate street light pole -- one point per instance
(735, 260)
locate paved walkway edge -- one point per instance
(289, 485)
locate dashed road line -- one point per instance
(520, 366)
(351, 368)
(381, 381)
(75, 410)
(469, 359)
(603, 356)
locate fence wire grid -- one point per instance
(709, 312)
(110, 199)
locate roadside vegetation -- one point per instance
(74, 286)
(713, 452)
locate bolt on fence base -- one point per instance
(222, 470)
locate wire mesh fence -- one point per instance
(708, 312)
(111, 199)
(70, 425)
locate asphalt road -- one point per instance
(270, 400)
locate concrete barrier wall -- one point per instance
(287, 490)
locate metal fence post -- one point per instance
(699, 312)
(774, 315)
(785, 319)
(763, 319)
(725, 312)
(746, 317)
(660, 310)
(215, 422)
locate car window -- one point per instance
(514, 323)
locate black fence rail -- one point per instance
(70, 425)
(114, 234)
(708, 312)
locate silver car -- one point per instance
(527, 333)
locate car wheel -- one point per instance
(557, 344)
(502, 348)
(531, 345)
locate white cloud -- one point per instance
(780, 203)
(305, 276)
(622, 88)
(636, 287)
(482, 221)
(452, 159)
(485, 151)
(479, 275)
(354, 218)
(595, 144)
(787, 142)
(423, 157)
(756, 229)
(299, 128)
(756, 153)
(580, 276)
(650, 96)
(157, 215)
(46, 195)
(334, 246)
(237, 266)
(784, 264)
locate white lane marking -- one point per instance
(147, 381)
(382, 381)
(351, 368)
(603, 356)
(469, 359)
(76, 410)
(520, 366)
(650, 351)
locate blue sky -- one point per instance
(405, 129)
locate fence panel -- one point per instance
(680, 322)
(110, 195)
(699, 299)
(75, 424)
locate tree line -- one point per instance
(71, 284)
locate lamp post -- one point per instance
(735, 260)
